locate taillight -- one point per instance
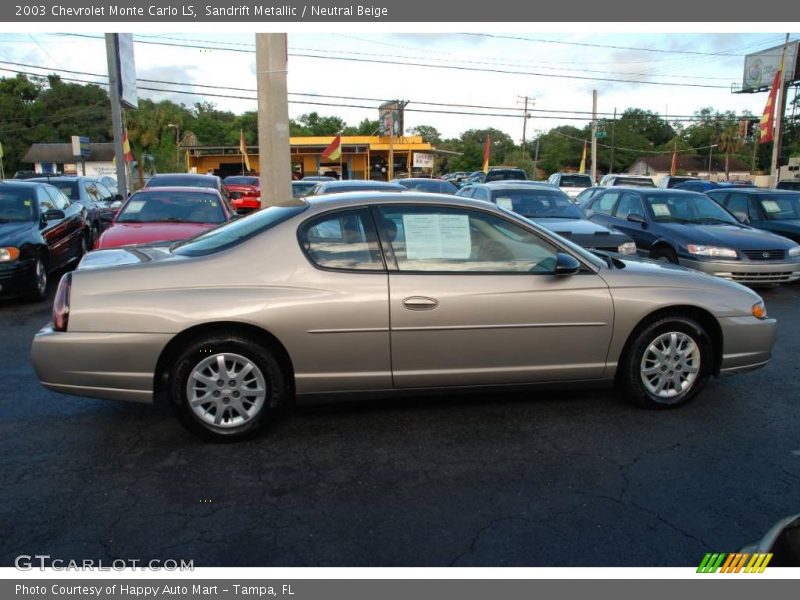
(61, 303)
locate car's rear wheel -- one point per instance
(226, 388)
(664, 254)
(667, 363)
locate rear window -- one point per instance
(502, 174)
(235, 232)
(583, 181)
(172, 206)
(182, 181)
(634, 182)
(236, 180)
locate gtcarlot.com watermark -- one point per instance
(28, 562)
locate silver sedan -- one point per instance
(385, 293)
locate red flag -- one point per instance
(487, 145)
(767, 124)
(126, 146)
(243, 151)
(674, 168)
(334, 151)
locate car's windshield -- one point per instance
(172, 206)
(780, 206)
(237, 180)
(181, 181)
(535, 204)
(583, 181)
(235, 232)
(17, 204)
(688, 208)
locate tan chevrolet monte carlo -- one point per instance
(380, 293)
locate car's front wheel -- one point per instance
(226, 388)
(667, 363)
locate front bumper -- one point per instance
(16, 276)
(116, 366)
(747, 343)
(749, 272)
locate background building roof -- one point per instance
(62, 153)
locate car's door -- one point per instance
(54, 231)
(75, 220)
(601, 208)
(631, 204)
(473, 300)
(347, 346)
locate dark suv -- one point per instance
(503, 173)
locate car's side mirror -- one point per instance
(634, 218)
(54, 214)
(566, 264)
(742, 217)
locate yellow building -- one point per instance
(363, 157)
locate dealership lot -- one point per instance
(555, 478)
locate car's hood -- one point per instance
(647, 273)
(15, 234)
(740, 238)
(123, 234)
(129, 255)
(569, 227)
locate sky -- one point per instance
(555, 71)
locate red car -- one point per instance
(245, 192)
(165, 215)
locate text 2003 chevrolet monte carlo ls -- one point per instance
(384, 293)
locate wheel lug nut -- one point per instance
(235, 394)
(231, 383)
(220, 383)
(216, 394)
(226, 400)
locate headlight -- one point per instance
(627, 248)
(8, 254)
(759, 310)
(716, 251)
(794, 251)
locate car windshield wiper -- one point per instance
(715, 221)
(169, 220)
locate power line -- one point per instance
(432, 66)
(308, 94)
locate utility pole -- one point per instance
(536, 157)
(116, 113)
(274, 153)
(613, 127)
(525, 117)
(779, 110)
(594, 136)
(390, 170)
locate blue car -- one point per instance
(692, 230)
(777, 211)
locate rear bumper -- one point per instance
(747, 343)
(116, 366)
(247, 203)
(749, 272)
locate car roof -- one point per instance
(21, 183)
(507, 184)
(181, 188)
(344, 199)
(186, 175)
(399, 179)
(45, 178)
(357, 183)
(747, 189)
(654, 190)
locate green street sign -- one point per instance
(601, 135)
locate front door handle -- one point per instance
(420, 303)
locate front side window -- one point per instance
(629, 204)
(45, 200)
(342, 240)
(481, 194)
(440, 239)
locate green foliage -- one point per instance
(429, 134)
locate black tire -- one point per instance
(630, 372)
(664, 254)
(38, 287)
(265, 364)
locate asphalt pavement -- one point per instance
(545, 479)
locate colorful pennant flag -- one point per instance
(767, 124)
(243, 150)
(334, 150)
(126, 146)
(487, 146)
(582, 168)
